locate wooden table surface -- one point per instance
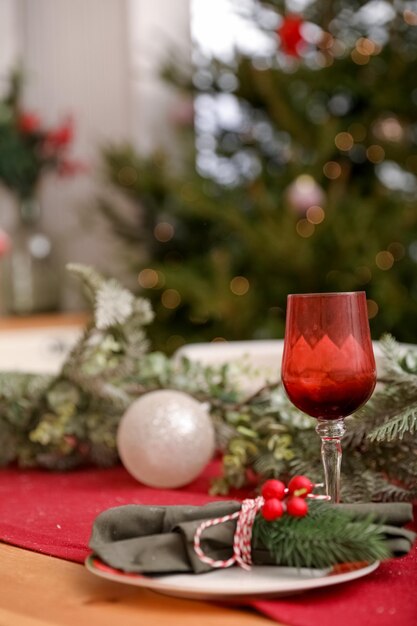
(40, 590)
(37, 589)
(42, 321)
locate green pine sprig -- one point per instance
(325, 537)
(405, 421)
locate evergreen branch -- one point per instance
(397, 426)
(324, 537)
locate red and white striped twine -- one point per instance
(242, 554)
(242, 540)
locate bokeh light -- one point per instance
(375, 153)
(344, 141)
(384, 260)
(148, 278)
(332, 170)
(373, 308)
(239, 285)
(163, 232)
(170, 298)
(315, 214)
(304, 228)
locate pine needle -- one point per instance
(324, 537)
(396, 427)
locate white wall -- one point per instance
(10, 37)
(97, 60)
(156, 27)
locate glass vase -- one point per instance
(31, 280)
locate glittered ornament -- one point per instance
(165, 438)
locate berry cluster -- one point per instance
(279, 498)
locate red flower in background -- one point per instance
(61, 136)
(29, 148)
(67, 167)
(290, 35)
(28, 123)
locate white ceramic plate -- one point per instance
(234, 583)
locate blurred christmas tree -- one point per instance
(301, 176)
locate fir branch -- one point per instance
(324, 537)
(397, 426)
(390, 348)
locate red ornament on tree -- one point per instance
(289, 32)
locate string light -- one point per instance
(373, 308)
(397, 250)
(388, 129)
(358, 58)
(344, 141)
(315, 214)
(384, 260)
(148, 278)
(375, 153)
(239, 285)
(366, 47)
(332, 170)
(163, 232)
(170, 299)
(304, 228)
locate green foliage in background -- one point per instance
(28, 149)
(312, 188)
(70, 419)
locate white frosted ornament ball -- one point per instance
(165, 438)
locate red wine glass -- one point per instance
(328, 367)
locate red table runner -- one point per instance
(53, 513)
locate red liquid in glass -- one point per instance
(328, 365)
(329, 399)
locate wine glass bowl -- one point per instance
(328, 366)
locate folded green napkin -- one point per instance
(160, 539)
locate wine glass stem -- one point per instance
(331, 433)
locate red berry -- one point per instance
(273, 489)
(297, 507)
(300, 486)
(272, 509)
